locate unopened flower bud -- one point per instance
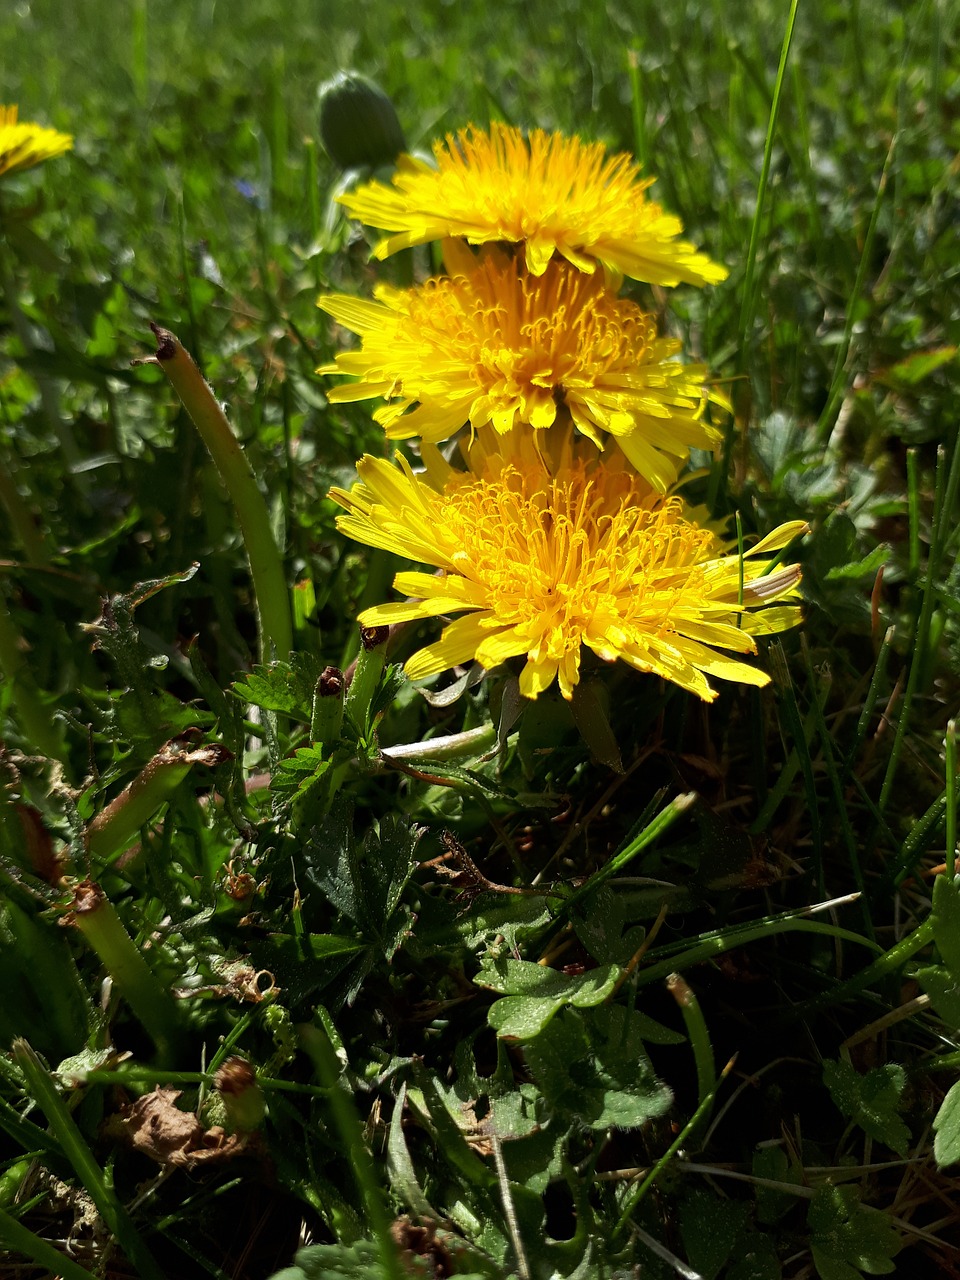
(243, 1101)
(358, 123)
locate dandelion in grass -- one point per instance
(493, 344)
(544, 557)
(556, 195)
(23, 144)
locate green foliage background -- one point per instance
(198, 197)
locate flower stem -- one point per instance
(116, 825)
(96, 918)
(266, 565)
(365, 676)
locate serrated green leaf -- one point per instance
(522, 1017)
(755, 1258)
(845, 1238)
(944, 992)
(591, 1066)
(286, 687)
(359, 1261)
(601, 923)
(872, 1101)
(773, 1164)
(536, 994)
(387, 861)
(709, 1227)
(524, 978)
(946, 1126)
(866, 567)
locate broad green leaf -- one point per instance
(754, 1258)
(709, 1227)
(773, 1164)
(522, 1017)
(536, 994)
(359, 1261)
(846, 1238)
(872, 1101)
(591, 1066)
(522, 977)
(946, 1125)
(506, 916)
(943, 988)
(282, 686)
(601, 921)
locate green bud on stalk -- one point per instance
(358, 124)
(244, 1105)
(367, 670)
(327, 713)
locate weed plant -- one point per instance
(423, 980)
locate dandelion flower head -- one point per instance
(545, 559)
(551, 193)
(23, 144)
(492, 343)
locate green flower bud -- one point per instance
(243, 1101)
(358, 123)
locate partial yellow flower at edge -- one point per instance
(556, 195)
(543, 561)
(23, 144)
(491, 343)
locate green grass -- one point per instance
(270, 877)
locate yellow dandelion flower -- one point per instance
(544, 560)
(555, 194)
(23, 144)
(493, 344)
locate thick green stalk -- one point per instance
(116, 825)
(365, 676)
(266, 565)
(326, 715)
(152, 1004)
(697, 1034)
